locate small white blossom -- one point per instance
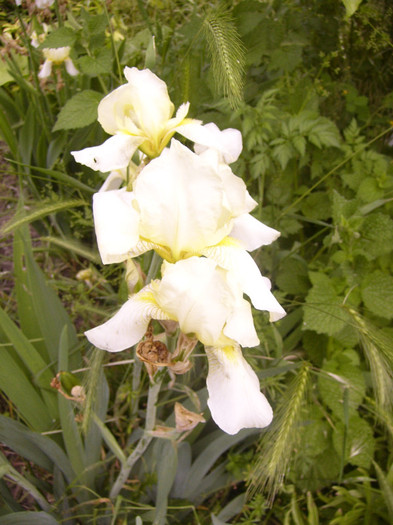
(57, 56)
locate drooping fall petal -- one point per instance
(235, 400)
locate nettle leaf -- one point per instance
(98, 65)
(336, 378)
(376, 235)
(358, 439)
(79, 111)
(64, 36)
(323, 310)
(341, 207)
(377, 294)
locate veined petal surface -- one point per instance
(182, 202)
(235, 400)
(252, 233)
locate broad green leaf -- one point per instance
(96, 65)
(39, 449)
(6, 469)
(337, 376)
(166, 471)
(359, 442)
(27, 134)
(218, 444)
(64, 36)
(18, 387)
(323, 310)
(377, 294)
(41, 374)
(71, 435)
(376, 235)
(41, 313)
(79, 111)
(109, 439)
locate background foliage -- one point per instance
(309, 84)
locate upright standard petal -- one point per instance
(182, 202)
(235, 400)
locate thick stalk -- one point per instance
(144, 442)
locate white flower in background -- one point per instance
(235, 400)
(42, 4)
(57, 56)
(139, 114)
(204, 299)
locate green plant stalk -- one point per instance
(144, 442)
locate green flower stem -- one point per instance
(144, 442)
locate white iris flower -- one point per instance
(138, 114)
(57, 56)
(185, 204)
(204, 299)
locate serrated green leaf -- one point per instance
(335, 379)
(323, 310)
(97, 65)
(79, 111)
(377, 294)
(376, 235)
(64, 36)
(359, 446)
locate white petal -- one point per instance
(252, 233)
(227, 142)
(70, 68)
(116, 224)
(129, 324)
(115, 153)
(114, 180)
(182, 202)
(246, 271)
(240, 325)
(235, 400)
(46, 69)
(151, 105)
(197, 295)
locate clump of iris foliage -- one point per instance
(309, 85)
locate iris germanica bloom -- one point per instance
(207, 303)
(185, 204)
(138, 114)
(204, 299)
(57, 56)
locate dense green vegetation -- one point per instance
(310, 86)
